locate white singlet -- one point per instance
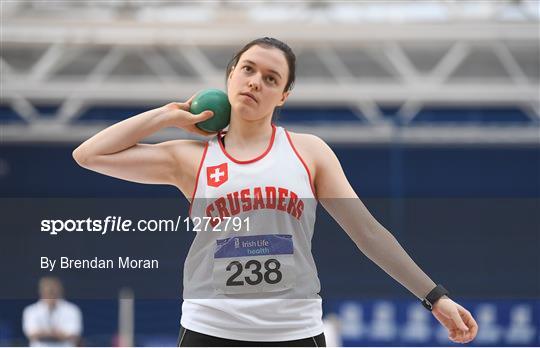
(252, 277)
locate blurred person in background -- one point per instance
(52, 321)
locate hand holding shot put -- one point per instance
(117, 151)
(181, 117)
(204, 113)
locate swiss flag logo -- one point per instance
(217, 175)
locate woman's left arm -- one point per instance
(377, 243)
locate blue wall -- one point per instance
(467, 215)
(375, 171)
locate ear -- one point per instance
(231, 72)
(284, 97)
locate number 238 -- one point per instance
(271, 273)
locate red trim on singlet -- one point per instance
(197, 178)
(251, 160)
(304, 163)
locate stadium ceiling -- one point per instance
(364, 55)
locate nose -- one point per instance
(254, 83)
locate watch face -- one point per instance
(427, 304)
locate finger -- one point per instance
(456, 318)
(455, 334)
(205, 115)
(191, 98)
(188, 102)
(474, 328)
(469, 336)
(471, 324)
(457, 339)
(185, 105)
(191, 119)
(460, 336)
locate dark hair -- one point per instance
(269, 42)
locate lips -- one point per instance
(247, 94)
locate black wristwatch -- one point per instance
(435, 294)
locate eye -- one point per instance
(271, 79)
(246, 68)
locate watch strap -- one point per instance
(434, 295)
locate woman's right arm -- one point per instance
(116, 151)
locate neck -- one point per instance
(247, 133)
(51, 303)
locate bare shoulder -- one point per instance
(329, 179)
(306, 138)
(311, 148)
(309, 144)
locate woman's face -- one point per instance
(255, 85)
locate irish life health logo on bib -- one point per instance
(217, 175)
(254, 264)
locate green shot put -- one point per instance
(216, 101)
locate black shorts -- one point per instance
(190, 338)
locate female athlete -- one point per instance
(258, 286)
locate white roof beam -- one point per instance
(159, 65)
(400, 61)
(509, 62)
(137, 33)
(304, 91)
(24, 108)
(450, 61)
(50, 59)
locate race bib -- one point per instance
(252, 264)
